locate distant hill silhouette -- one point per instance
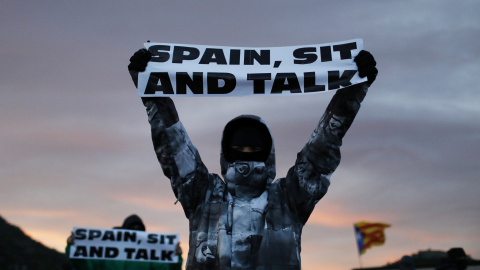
(19, 252)
(422, 259)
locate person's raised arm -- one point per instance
(178, 157)
(309, 179)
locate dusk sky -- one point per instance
(75, 147)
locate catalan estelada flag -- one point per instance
(369, 234)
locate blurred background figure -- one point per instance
(132, 222)
(456, 260)
(407, 263)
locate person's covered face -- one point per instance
(137, 226)
(247, 164)
(246, 140)
(246, 148)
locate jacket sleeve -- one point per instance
(178, 157)
(308, 180)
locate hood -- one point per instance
(131, 220)
(270, 160)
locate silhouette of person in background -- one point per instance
(456, 260)
(132, 222)
(407, 263)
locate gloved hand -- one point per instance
(139, 60)
(366, 66)
(138, 63)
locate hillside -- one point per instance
(422, 259)
(19, 251)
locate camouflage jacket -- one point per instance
(245, 232)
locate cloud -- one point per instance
(75, 141)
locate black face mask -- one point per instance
(246, 133)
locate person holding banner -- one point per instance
(131, 223)
(247, 220)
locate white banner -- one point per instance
(199, 70)
(125, 245)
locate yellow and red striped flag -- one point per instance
(369, 234)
